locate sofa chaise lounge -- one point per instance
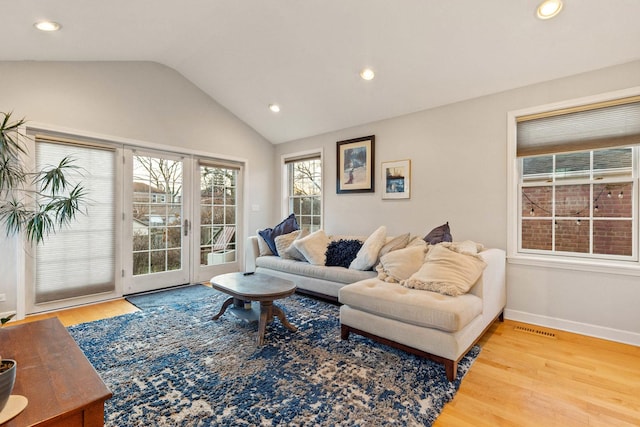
(439, 327)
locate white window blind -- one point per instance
(79, 260)
(302, 158)
(612, 124)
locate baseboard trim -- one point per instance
(617, 335)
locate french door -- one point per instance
(154, 220)
(182, 222)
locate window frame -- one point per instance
(563, 261)
(286, 181)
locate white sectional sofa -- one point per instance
(432, 325)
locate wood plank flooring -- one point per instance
(525, 379)
(519, 379)
(85, 313)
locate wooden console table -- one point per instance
(62, 387)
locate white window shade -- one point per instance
(588, 128)
(302, 158)
(79, 260)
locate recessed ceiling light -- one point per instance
(549, 8)
(367, 74)
(274, 107)
(47, 26)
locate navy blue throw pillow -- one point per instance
(288, 225)
(439, 235)
(341, 252)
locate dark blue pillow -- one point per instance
(288, 225)
(341, 252)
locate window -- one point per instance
(304, 190)
(577, 179)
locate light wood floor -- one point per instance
(519, 379)
(85, 313)
(525, 379)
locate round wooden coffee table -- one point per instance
(255, 287)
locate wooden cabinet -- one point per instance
(62, 387)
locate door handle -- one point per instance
(186, 227)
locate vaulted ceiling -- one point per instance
(306, 55)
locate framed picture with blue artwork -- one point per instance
(356, 160)
(396, 179)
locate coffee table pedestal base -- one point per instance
(267, 312)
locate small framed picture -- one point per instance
(396, 179)
(355, 166)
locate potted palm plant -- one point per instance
(32, 203)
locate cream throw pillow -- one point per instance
(399, 265)
(417, 241)
(292, 252)
(368, 254)
(468, 247)
(283, 242)
(398, 242)
(313, 247)
(447, 272)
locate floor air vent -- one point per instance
(535, 332)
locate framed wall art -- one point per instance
(396, 179)
(356, 161)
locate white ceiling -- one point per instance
(306, 54)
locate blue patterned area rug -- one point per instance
(171, 365)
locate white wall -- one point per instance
(142, 101)
(459, 174)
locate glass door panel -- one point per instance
(159, 226)
(218, 220)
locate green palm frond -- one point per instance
(54, 178)
(65, 209)
(38, 226)
(12, 175)
(13, 214)
(10, 136)
(51, 202)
